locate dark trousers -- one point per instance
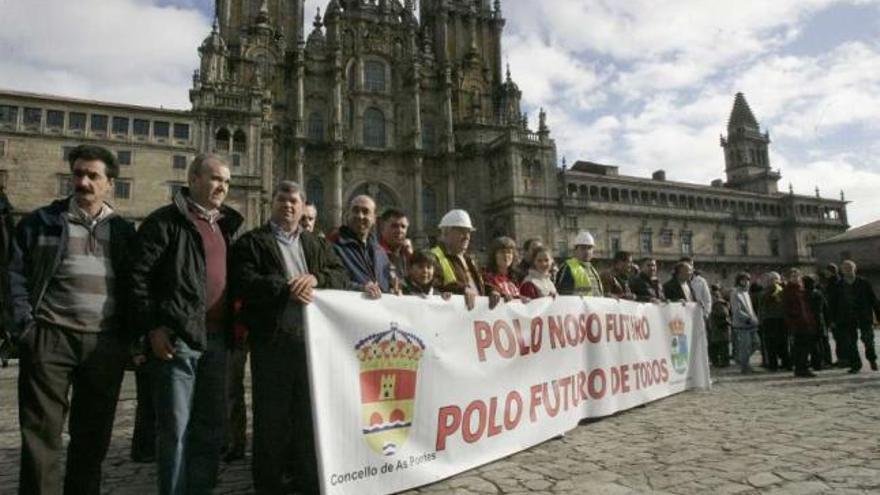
(52, 363)
(849, 334)
(143, 440)
(284, 444)
(821, 356)
(236, 412)
(190, 395)
(777, 343)
(839, 344)
(804, 345)
(719, 353)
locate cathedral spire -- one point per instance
(263, 15)
(741, 116)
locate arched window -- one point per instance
(374, 76)
(315, 193)
(374, 128)
(222, 141)
(429, 208)
(239, 142)
(316, 126)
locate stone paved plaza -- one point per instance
(761, 433)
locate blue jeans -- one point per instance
(744, 347)
(189, 392)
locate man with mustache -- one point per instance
(369, 269)
(69, 294)
(180, 300)
(275, 270)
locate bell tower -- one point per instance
(746, 157)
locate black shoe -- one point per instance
(805, 374)
(853, 371)
(873, 365)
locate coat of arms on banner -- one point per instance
(389, 363)
(679, 345)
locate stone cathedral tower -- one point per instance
(416, 112)
(745, 152)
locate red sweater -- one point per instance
(215, 265)
(799, 318)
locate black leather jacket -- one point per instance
(169, 276)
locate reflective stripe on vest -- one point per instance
(445, 266)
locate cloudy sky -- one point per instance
(643, 84)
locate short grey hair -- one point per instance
(200, 162)
(289, 186)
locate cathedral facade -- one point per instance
(420, 113)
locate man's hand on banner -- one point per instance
(470, 298)
(372, 290)
(302, 288)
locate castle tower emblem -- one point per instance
(389, 363)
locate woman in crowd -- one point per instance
(744, 321)
(539, 281)
(498, 275)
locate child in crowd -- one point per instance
(420, 275)
(539, 281)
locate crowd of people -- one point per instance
(185, 297)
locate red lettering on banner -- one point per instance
(494, 428)
(620, 379)
(565, 384)
(483, 336)
(664, 370)
(554, 327)
(597, 391)
(581, 392)
(502, 328)
(594, 328)
(571, 330)
(537, 333)
(467, 433)
(535, 402)
(448, 422)
(552, 410)
(511, 422)
(523, 346)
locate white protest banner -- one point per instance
(407, 391)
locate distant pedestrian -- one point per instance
(719, 330)
(744, 321)
(854, 305)
(800, 321)
(821, 355)
(773, 321)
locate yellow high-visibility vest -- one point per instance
(445, 266)
(582, 284)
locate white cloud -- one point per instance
(118, 50)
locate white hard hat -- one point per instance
(584, 238)
(456, 218)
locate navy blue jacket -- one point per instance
(363, 262)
